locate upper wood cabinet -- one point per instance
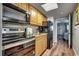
(34, 15)
(37, 18)
(45, 23)
(40, 19)
(23, 6)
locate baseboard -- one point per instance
(75, 52)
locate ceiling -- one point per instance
(63, 9)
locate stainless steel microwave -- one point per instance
(12, 15)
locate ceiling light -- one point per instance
(49, 6)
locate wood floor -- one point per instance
(62, 49)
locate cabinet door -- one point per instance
(44, 40)
(23, 6)
(40, 19)
(38, 47)
(18, 5)
(27, 7)
(33, 18)
(44, 21)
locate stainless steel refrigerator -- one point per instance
(50, 35)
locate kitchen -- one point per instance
(24, 30)
(36, 29)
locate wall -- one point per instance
(75, 36)
(55, 31)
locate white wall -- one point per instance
(55, 31)
(76, 42)
(75, 36)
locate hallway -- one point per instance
(62, 49)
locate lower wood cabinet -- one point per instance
(40, 44)
(38, 47)
(44, 42)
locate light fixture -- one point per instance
(49, 6)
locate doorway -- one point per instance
(62, 31)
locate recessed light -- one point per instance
(49, 6)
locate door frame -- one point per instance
(70, 30)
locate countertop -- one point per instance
(41, 34)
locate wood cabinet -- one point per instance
(33, 17)
(40, 44)
(36, 17)
(44, 42)
(45, 23)
(18, 5)
(23, 6)
(40, 19)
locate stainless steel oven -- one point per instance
(13, 24)
(12, 34)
